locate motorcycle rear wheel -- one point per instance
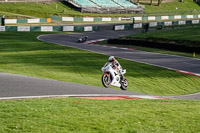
(124, 84)
(105, 80)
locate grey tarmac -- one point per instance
(171, 62)
(13, 85)
(163, 60)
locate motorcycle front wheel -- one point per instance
(124, 84)
(105, 80)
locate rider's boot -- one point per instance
(122, 77)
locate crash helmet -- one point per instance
(111, 59)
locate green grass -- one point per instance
(13, 15)
(182, 7)
(22, 53)
(182, 34)
(47, 10)
(108, 116)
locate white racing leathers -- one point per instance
(117, 66)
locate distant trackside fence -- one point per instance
(49, 28)
(159, 25)
(135, 18)
(131, 26)
(35, 20)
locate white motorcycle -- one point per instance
(111, 77)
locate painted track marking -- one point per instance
(89, 96)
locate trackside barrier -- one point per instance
(157, 24)
(161, 45)
(119, 27)
(96, 28)
(50, 28)
(136, 18)
(23, 28)
(102, 19)
(37, 20)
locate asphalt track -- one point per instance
(189, 65)
(14, 86)
(17, 86)
(167, 61)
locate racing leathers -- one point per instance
(117, 66)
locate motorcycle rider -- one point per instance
(83, 39)
(80, 39)
(116, 65)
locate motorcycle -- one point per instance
(111, 77)
(82, 39)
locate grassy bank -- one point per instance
(61, 9)
(47, 10)
(22, 53)
(182, 34)
(108, 116)
(173, 7)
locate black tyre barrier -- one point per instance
(174, 46)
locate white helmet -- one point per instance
(111, 59)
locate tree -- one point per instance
(159, 2)
(151, 2)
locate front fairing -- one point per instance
(107, 68)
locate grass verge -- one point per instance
(22, 53)
(182, 34)
(109, 116)
(175, 7)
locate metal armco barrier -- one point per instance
(157, 24)
(49, 28)
(99, 27)
(136, 18)
(36, 20)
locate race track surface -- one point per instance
(13, 86)
(189, 65)
(167, 61)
